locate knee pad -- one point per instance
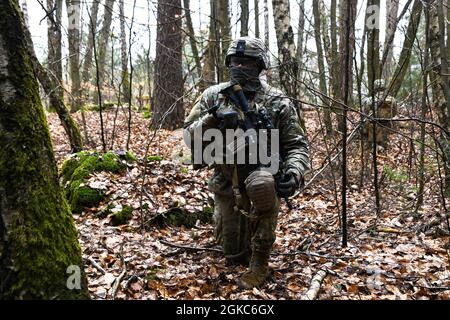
(260, 187)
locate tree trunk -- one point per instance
(208, 69)
(86, 75)
(256, 5)
(405, 55)
(301, 26)
(125, 87)
(320, 60)
(56, 101)
(439, 81)
(103, 43)
(343, 53)
(54, 57)
(373, 43)
(266, 23)
(391, 25)
(223, 15)
(73, 13)
(244, 18)
(168, 69)
(192, 39)
(40, 256)
(287, 64)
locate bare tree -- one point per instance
(224, 34)
(439, 81)
(125, 87)
(391, 25)
(192, 40)
(244, 17)
(321, 64)
(287, 65)
(54, 56)
(73, 13)
(256, 6)
(168, 70)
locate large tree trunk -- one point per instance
(168, 69)
(301, 26)
(209, 66)
(439, 81)
(54, 44)
(266, 23)
(73, 13)
(244, 17)
(321, 64)
(343, 53)
(192, 40)
(39, 253)
(405, 55)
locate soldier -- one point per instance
(247, 201)
(386, 108)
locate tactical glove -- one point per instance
(287, 185)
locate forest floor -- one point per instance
(399, 255)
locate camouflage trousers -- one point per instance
(241, 232)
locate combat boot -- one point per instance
(258, 270)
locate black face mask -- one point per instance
(248, 78)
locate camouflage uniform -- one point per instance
(385, 109)
(244, 230)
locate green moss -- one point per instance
(42, 239)
(123, 216)
(146, 114)
(154, 158)
(78, 168)
(182, 217)
(130, 157)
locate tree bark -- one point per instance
(439, 81)
(168, 69)
(346, 90)
(39, 250)
(223, 16)
(321, 64)
(87, 65)
(301, 26)
(208, 69)
(373, 46)
(192, 40)
(391, 25)
(287, 63)
(256, 5)
(54, 56)
(244, 17)
(103, 43)
(405, 55)
(73, 13)
(56, 101)
(266, 23)
(125, 87)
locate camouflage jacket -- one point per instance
(282, 112)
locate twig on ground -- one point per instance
(189, 247)
(96, 265)
(316, 283)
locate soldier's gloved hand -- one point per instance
(287, 185)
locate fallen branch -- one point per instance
(96, 265)
(189, 247)
(117, 283)
(311, 254)
(316, 283)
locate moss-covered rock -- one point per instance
(80, 166)
(122, 217)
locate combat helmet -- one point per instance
(248, 47)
